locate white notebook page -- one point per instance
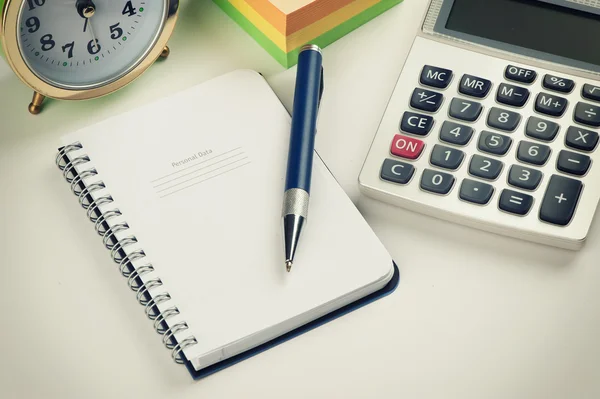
(199, 178)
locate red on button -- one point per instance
(407, 147)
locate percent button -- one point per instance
(587, 114)
(558, 84)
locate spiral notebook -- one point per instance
(186, 195)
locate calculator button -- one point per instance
(587, 114)
(581, 139)
(426, 100)
(525, 178)
(406, 147)
(396, 171)
(435, 77)
(518, 74)
(560, 200)
(503, 119)
(515, 202)
(558, 84)
(494, 143)
(416, 123)
(512, 95)
(573, 163)
(533, 153)
(473, 86)
(455, 133)
(591, 92)
(465, 110)
(436, 182)
(550, 105)
(486, 168)
(541, 129)
(476, 192)
(446, 157)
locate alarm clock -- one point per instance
(83, 49)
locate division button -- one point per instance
(587, 114)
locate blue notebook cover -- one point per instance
(388, 289)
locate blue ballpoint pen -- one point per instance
(307, 99)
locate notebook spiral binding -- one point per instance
(116, 246)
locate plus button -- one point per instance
(561, 198)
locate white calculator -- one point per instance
(493, 122)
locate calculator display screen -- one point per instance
(542, 26)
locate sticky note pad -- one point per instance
(282, 27)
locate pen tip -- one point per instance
(288, 265)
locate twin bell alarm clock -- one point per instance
(83, 49)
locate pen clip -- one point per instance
(321, 88)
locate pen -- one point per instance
(307, 99)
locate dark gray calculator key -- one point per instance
(587, 114)
(573, 163)
(396, 171)
(465, 110)
(476, 192)
(533, 153)
(512, 95)
(473, 86)
(486, 168)
(435, 77)
(455, 133)
(550, 105)
(503, 120)
(581, 139)
(416, 123)
(446, 157)
(560, 200)
(515, 202)
(437, 182)
(541, 129)
(557, 83)
(525, 178)
(426, 100)
(494, 143)
(519, 74)
(591, 92)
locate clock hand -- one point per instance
(85, 24)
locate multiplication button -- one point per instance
(396, 171)
(426, 100)
(515, 202)
(560, 200)
(581, 139)
(435, 77)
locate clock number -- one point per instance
(115, 32)
(129, 10)
(70, 47)
(34, 3)
(47, 42)
(33, 23)
(94, 47)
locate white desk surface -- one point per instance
(475, 315)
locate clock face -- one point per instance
(81, 44)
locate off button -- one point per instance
(518, 74)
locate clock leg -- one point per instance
(165, 53)
(36, 103)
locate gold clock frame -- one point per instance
(42, 89)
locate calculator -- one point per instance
(493, 122)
